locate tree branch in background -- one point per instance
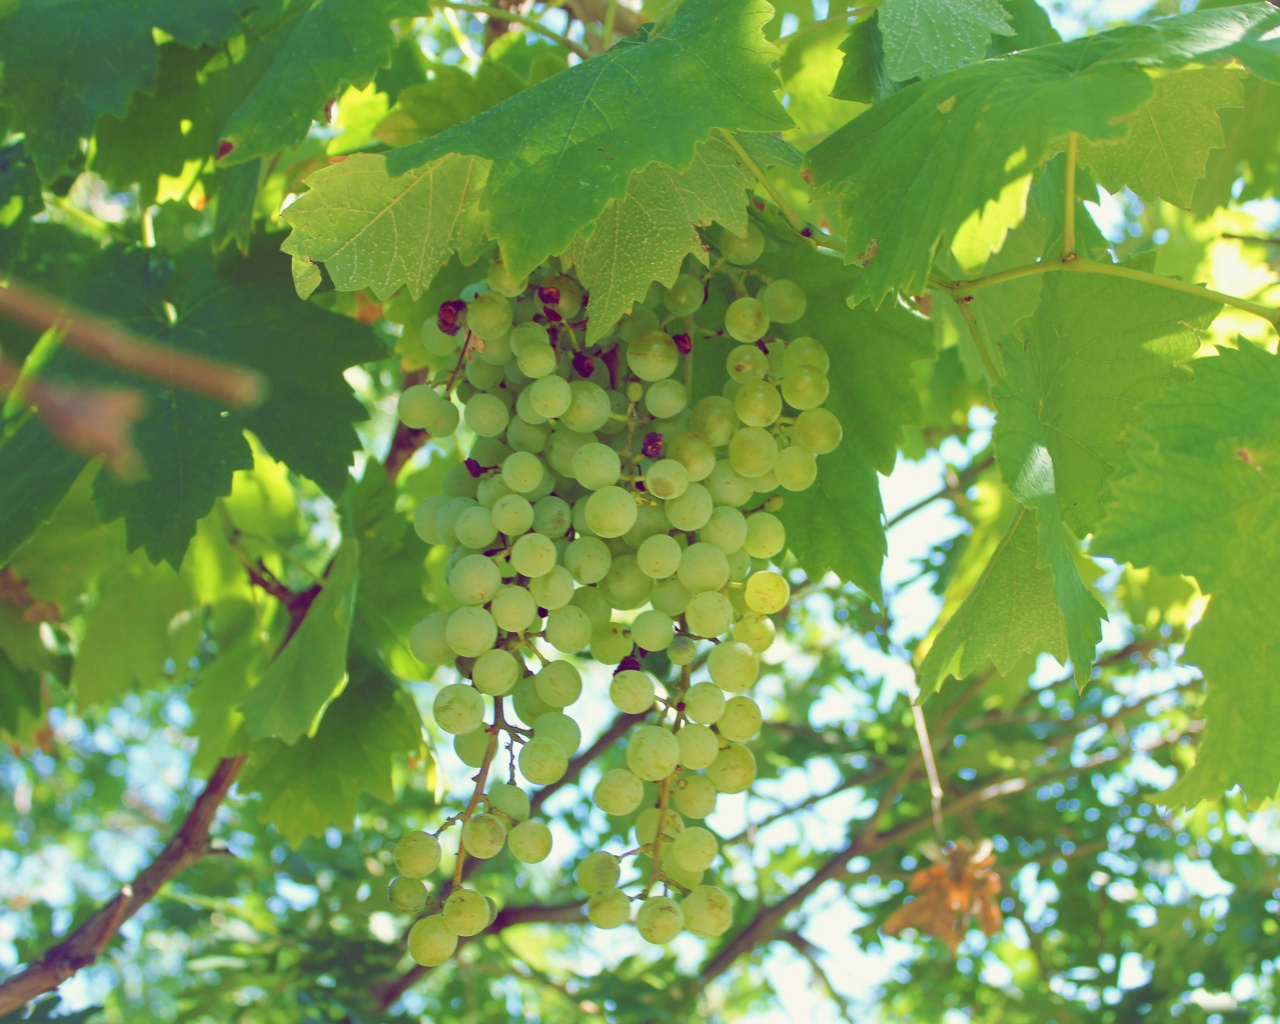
(109, 344)
(405, 441)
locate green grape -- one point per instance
(805, 387)
(659, 920)
(559, 684)
(418, 406)
(466, 911)
(653, 630)
(796, 469)
(646, 827)
(635, 323)
(707, 911)
(458, 709)
(510, 800)
(528, 335)
(522, 471)
(695, 848)
(754, 630)
(512, 514)
(549, 397)
(666, 479)
(608, 908)
(818, 430)
(784, 300)
(733, 770)
(488, 451)
(669, 868)
(766, 535)
(472, 747)
(752, 451)
(729, 487)
(530, 842)
(683, 649)
(553, 590)
(618, 792)
(767, 592)
(484, 835)
(417, 854)
(588, 558)
(501, 281)
(483, 374)
(445, 422)
(570, 301)
(659, 556)
(806, 352)
(685, 296)
(741, 250)
(525, 701)
(513, 609)
(651, 520)
(435, 341)
(537, 361)
(560, 728)
(495, 351)
(741, 719)
(632, 692)
(666, 398)
(758, 404)
(726, 529)
(447, 518)
(739, 566)
(486, 415)
(703, 702)
(533, 555)
(407, 895)
(589, 408)
(489, 316)
(708, 614)
(670, 598)
(698, 748)
(543, 761)
(470, 631)
(694, 452)
(695, 796)
(596, 871)
(424, 518)
(609, 645)
(591, 601)
(652, 753)
(495, 672)
(611, 512)
(746, 363)
(568, 629)
(703, 567)
(733, 666)
(746, 320)
(691, 510)
(474, 528)
(431, 942)
(475, 579)
(552, 516)
(525, 411)
(714, 418)
(653, 356)
(596, 465)
(427, 640)
(624, 585)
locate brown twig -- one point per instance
(108, 343)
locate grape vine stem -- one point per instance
(793, 218)
(520, 19)
(482, 776)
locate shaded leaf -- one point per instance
(927, 37)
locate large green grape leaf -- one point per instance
(560, 150)
(837, 525)
(311, 669)
(19, 694)
(927, 37)
(1203, 500)
(20, 200)
(958, 151)
(645, 236)
(1250, 151)
(68, 61)
(1169, 138)
(316, 783)
(1008, 612)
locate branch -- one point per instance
(519, 19)
(957, 483)
(107, 343)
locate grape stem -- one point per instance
(501, 14)
(1069, 212)
(664, 796)
(793, 218)
(481, 778)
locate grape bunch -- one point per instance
(600, 514)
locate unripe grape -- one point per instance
(646, 827)
(525, 701)
(671, 869)
(707, 911)
(417, 854)
(618, 792)
(746, 363)
(522, 472)
(568, 629)
(767, 592)
(729, 487)
(806, 352)
(610, 512)
(407, 895)
(685, 296)
(552, 516)
(666, 398)
(486, 414)
(610, 645)
(510, 800)
(484, 835)
(530, 842)
(593, 602)
(513, 609)
(752, 451)
(726, 529)
(766, 535)
(501, 281)
(733, 666)
(666, 479)
(652, 753)
(695, 848)
(741, 719)
(796, 469)
(659, 920)
(552, 590)
(466, 912)
(458, 709)
(758, 404)
(659, 556)
(805, 387)
(431, 942)
(653, 630)
(739, 566)
(703, 567)
(543, 761)
(632, 692)
(755, 630)
(475, 579)
(624, 585)
(733, 770)
(427, 640)
(608, 908)
(587, 559)
(715, 419)
(671, 598)
(537, 361)
(474, 528)
(746, 320)
(698, 748)
(435, 341)
(652, 356)
(483, 373)
(784, 300)
(533, 555)
(559, 683)
(741, 250)
(447, 518)
(589, 408)
(527, 437)
(557, 726)
(818, 430)
(597, 870)
(704, 702)
(683, 649)
(691, 510)
(418, 406)
(472, 747)
(596, 465)
(708, 614)
(470, 631)
(695, 797)
(495, 672)
(549, 397)
(694, 452)
(512, 514)
(424, 518)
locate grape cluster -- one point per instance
(599, 512)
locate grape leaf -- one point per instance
(923, 38)
(560, 150)
(863, 77)
(19, 694)
(20, 200)
(311, 669)
(1007, 613)
(1250, 151)
(68, 61)
(645, 236)
(942, 154)
(1203, 500)
(316, 783)
(1169, 138)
